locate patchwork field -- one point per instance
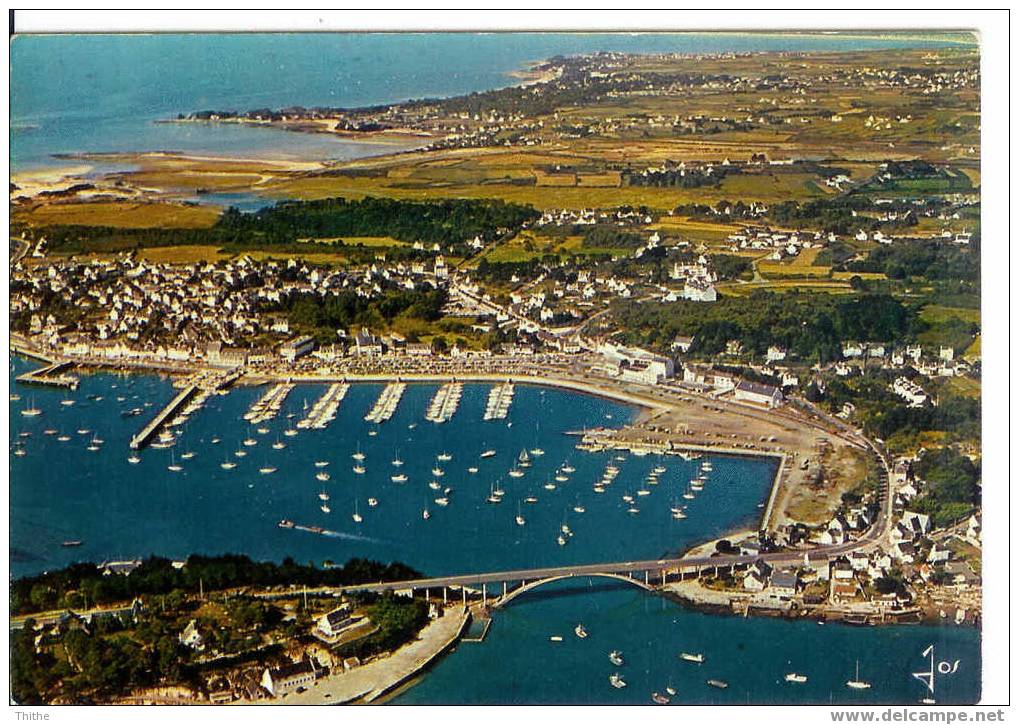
(130, 215)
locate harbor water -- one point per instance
(63, 491)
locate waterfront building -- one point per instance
(759, 393)
(280, 680)
(298, 347)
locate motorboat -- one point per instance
(580, 631)
(616, 658)
(616, 681)
(696, 658)
(794, 677)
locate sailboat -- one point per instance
(267, 469)
(173, 465)
(396, 461)
(356, 516)
(31, 411)
(323, 495)
(444, 456)
(278, 445)
(856, 683)
(492, 498)
(322, 476)
(227, 464)
(357, 455)
(359, 469)
(133, 459)
(520, 519)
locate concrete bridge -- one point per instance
(500, 588)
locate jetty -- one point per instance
(51, 375)
(194, 390)
(387, 403)
(323, 412)
(145, 434)
(445, 403)
(500, 397)
(268, 406)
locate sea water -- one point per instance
(101, 93)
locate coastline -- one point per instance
(381, 677)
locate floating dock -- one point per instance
(50, 375)
(445, 403)
(268, 406)
(323, 412)
(500, 397)
(387, 403)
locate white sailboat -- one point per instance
(856, 683)
(173, 465)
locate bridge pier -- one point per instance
(504, 590)
(444, 602)
(463, 592)
(484, 595)
(646, 579)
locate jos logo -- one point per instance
(943, 667)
